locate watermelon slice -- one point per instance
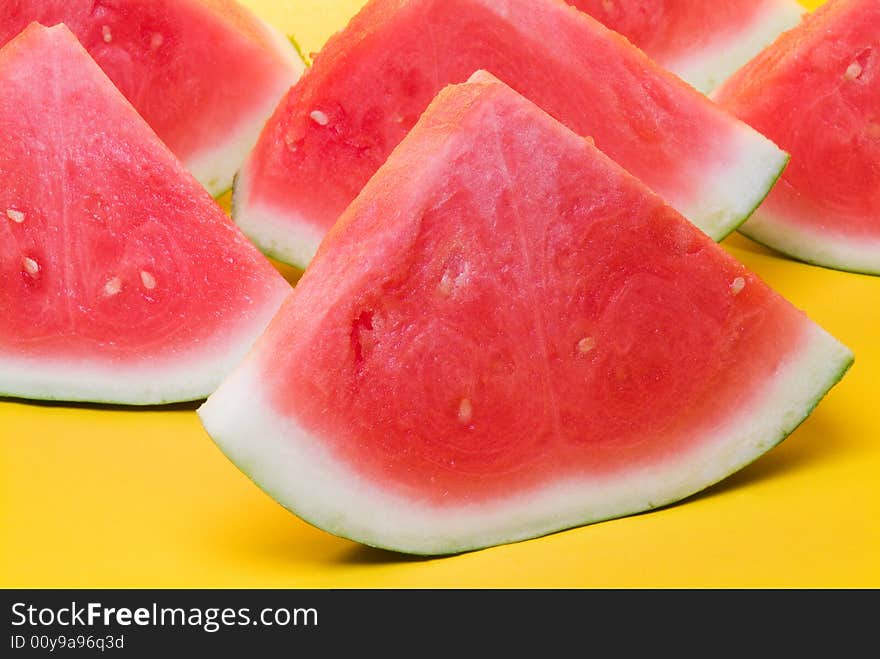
(816, 91)
(703, 42)
(479, 354)
(205, 74)
(371, 82)
(121, 280)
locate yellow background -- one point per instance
(109, 497)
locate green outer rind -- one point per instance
(265, 235)
(654, 506)
(219, 404)
(180, 378)
(185, 376)
(11, 396)
(745, 218)
(267, 250)
(804, 258)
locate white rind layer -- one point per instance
(289, 238)
(184, 376)
(825, 248)
(737, 185)
(293, 467)
(215, 168)
(708, 68)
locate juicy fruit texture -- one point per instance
(479, 355)
(205, 74)
(121, 280)
(703, 42)
(816, 92)
(371, 82)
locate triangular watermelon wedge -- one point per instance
(121, 280)
(205, 74)
(703, 42)
(816, 91)
(505, 335)
(372, 80)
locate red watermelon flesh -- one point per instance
(205, 74)
(505, 335)
(371, 82)
(703, 42)
(816, 91)
(121, 280)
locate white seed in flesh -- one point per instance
(107, 34)
(451, 282)
(30, 266)
(319, 118)
(148, 280)
(853, 71)
(737, 285)
(586, 344)
(465, 410)
(446, 284)
(113, 286)
(15, 215)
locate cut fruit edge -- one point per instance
(179, 377)
(824, 249)
(215, 168)
(707, 69)
(293, 467)
(737, 187)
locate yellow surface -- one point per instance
(104, 497)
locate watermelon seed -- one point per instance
(853, 71)
(30, 266)
(737, 285)
(156, 41)
(15, 216)
(107, 34)
(445, 284)
(586, 344)
(451, 281)
(465, 410)
(113, 286)
(148, 280)
(319, 118)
